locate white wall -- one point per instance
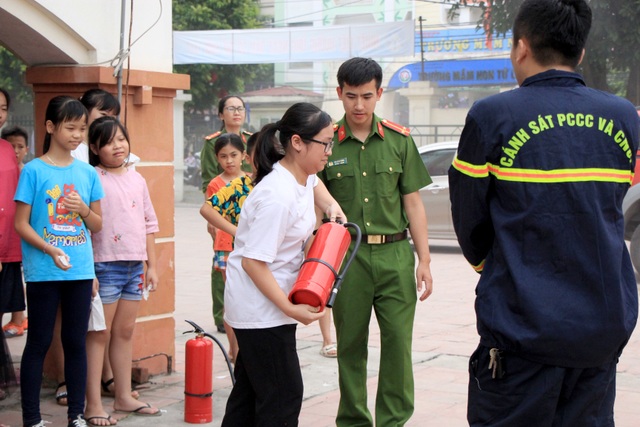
(94, 25)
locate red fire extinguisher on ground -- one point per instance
(198, 382)
(319, 270)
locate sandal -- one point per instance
(61, 396)
(138, 411)
(109, 391)
(91, 421)
(330, 351)
(12, 330)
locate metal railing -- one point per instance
(429, 134)
(422, 134)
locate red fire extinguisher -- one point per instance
(319, 270)
(198, 382)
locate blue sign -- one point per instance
(461, 41)
(480, 72)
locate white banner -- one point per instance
(293, 44)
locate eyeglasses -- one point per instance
(234, 109)
(327, 145)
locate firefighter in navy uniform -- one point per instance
(231, 111)
(375, 172)
(536, 192)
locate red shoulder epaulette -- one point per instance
(244, 134)
(396, 127)
(213, 135)
(342, 133)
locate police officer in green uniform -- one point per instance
(375, 173)
(231, 111)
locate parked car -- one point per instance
(437, 158)
(631, 211)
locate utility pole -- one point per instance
(423, 76)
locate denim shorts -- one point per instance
(120, 280)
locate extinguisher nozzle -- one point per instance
(332, 297)
(197, 329)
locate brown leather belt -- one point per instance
(379, 239)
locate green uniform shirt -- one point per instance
(369, 178)
(209, 166)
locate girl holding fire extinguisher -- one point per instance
(276, 220)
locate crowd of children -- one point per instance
(76, 259)
(87, 230)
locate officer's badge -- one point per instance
(337, 162)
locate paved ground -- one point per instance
(444, 337)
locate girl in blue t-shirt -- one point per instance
(58, 203)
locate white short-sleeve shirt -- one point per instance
(276, 220)
(82, 153)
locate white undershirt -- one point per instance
(82, 153)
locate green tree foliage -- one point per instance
(612, 59)
(12, 76)
(210, 82)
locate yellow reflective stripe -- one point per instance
(474, 171)
(478, 268)
(562, 175)
(543, 176)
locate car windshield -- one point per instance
(438, 162)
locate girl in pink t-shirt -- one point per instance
(125, 243)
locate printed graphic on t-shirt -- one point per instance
(66, 226)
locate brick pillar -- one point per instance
(147, 110)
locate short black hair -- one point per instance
(7, 96)
(14, 131)
(225, 139)
(101, 132)
(222, 103)
(557, 30)
(251, 142)
(303, 119)
(62, 108)
(359, 71)
(100, 99)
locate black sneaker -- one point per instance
(78, 422)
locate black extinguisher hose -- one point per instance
(340, 277)
(199, 330)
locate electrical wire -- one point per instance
(118, 60)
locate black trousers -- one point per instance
(74, 297)
(533, 395)
(268, 389)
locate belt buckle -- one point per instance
(375, 239)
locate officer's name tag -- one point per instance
(337, 162)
